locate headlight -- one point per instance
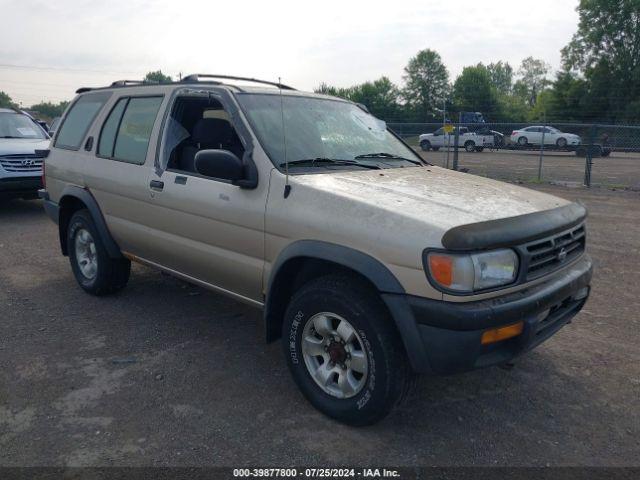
(471, 272)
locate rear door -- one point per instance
(117, 171)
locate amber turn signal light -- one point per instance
(498, 334)
(441, 269)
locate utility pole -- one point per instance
(445, 160)
(544, 128)
(456, 143)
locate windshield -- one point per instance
(16, 125)
(317, 128)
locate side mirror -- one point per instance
(219, 164)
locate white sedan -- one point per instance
(552, 136)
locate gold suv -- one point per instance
(370, 264)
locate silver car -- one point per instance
(22, 142)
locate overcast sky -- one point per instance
(77, 43)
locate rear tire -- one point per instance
(470, 146)
(425, 145)
(95, 271)
(522, 141)
(337, 333)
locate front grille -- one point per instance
(549, 254)
(21, 163)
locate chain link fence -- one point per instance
(564, 153)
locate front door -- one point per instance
(205, 228)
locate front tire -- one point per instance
(95, 271)
(343, 350)
(425, 145)
(561, 143)
(470, 146)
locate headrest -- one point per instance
(212, 131)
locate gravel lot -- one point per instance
(165, 373)
(620, 170)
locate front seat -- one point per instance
(208, 133)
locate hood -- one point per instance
(429, 195)
(22, 146)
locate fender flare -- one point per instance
(96, 214)
(364, 264)
(391, 291)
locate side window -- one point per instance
(126, 132)
(197, 123)
(108, 134)
(79, 118)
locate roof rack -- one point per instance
(119, 83)
(124, 83)
(188, 79)
(195, 77)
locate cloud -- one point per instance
(92, 43)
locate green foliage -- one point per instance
(606, 50)
(600, 81)
(501, 75)
(157, 77)
(49, 109)
(5, 100)
(533, 79)
(426, 84)
(474, 90)
(381, 96)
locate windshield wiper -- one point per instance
(390, 156)
(331, 161)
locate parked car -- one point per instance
(552, 136)
(368, 263)
(54, 126)
(22, 146)
(471, 141)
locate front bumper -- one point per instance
(444, 337)
(20, 186)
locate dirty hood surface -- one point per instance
(432, 195)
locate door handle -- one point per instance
(156, 184)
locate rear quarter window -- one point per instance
(79, 118)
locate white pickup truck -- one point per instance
(471, 141)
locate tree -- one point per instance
(501, 75)
(157, 77)
(473, 91)
(426, 84)
(381, 96)
(606, 49)
(533, 79)
(5, 100)
(566, 98)
(326, 89)
(49, 109)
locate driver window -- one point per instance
(197, 123)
